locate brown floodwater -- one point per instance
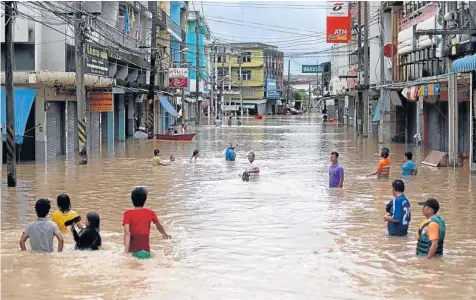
(286, 236)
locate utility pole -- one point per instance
(309, 105)
(382, 78)
(222, 98)
(197, 68)
(212, 90)
(240, 61)
(11, 143)
(289, 83)
(365, 130)
(215, 61)
(80, 88)
(359, 68)
(153, 71)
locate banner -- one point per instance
(338, 20)
(178, 78)
(99, 101)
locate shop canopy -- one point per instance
(23, 99)
(464, 64)
(168, 107)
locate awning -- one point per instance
(464, 64)
(382, 102)
(23, 100)
(168, 107)
(431, 89)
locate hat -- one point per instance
(432, 203)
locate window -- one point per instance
(245, 74)
(221, 59)
(246, 56)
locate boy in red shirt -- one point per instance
(136, 224)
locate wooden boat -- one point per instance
(175, 137)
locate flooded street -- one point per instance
(286, 236)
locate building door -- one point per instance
(55, 129)
(72, 128)
(463, 127)
(433, 126)
(443, 121)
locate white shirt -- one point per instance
(252, 165)
(218, 123)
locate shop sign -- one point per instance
(100, 102)
(338, 20)
(97, 62)
(178, 77)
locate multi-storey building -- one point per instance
(261, 80)
(117, 51)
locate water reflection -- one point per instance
(286, 236)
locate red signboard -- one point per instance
(99, 101)
(338, 22)
(178, 78)
(338, 29)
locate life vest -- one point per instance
(424, 243)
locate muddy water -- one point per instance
(286, 236)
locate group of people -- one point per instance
(218, 121)
(136, 222)
(431, 231)
(172, 131)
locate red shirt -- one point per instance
(139, 226)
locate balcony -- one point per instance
(165, 22)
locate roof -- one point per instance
(253, 45)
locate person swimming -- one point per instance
(195, 155)
(89, 237)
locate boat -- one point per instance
(175, 137)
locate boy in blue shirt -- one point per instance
(409, 167)
(399, 216)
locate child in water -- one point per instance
(238, 121)
(156, 160)
(195, 155)
(136, 224)
(172, 158)
(64, 213)
(230, 121)
(88, 238)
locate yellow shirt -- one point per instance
(59, 218)
(156, 161)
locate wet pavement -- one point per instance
(286, 236)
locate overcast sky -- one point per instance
(295, 27)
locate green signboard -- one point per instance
(312, 69)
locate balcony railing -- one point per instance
(165, 21)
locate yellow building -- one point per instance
(261, 65)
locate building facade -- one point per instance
(260, 82)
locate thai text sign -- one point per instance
(338, 22)
(100, 101)
(97, 61)
(178, 77)
(312, 69)
(271, 92)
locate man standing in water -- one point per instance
(431, 232)
(399, 215)
(383, 166)
(336, 171)
(253, 171)
(230, 154)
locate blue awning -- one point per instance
(23, 100)
(168, 107)
(384, 99)
(464, 64)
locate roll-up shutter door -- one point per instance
(444, 143)
(94, 132)
(72, 128)
(55, 130)
(433, 127)
(463, 127)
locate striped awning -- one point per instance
(431, 89)
(464, 64)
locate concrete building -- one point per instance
(117, 52)
(262, 68)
